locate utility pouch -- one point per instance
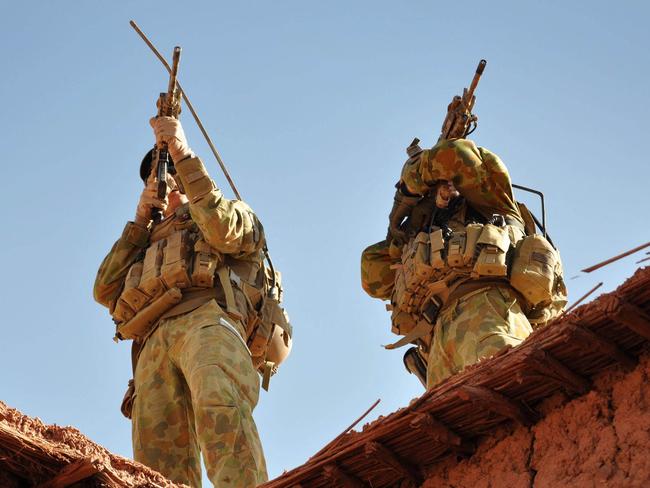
(133, 276)
(472, 234)
(401, 322)
(139, 325)
(494, 243)
(406, 273)
(260, 337)
(400, 295)
(150, 282)
(437, 247)
(415, 261)
(533, 269)
(456, 250)
(174, 271)
(122, 311)
(132, 295)
(206, 262)
(421, 266)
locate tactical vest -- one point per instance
(180, 271)
(439, 265)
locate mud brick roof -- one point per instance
(395, 450)
(49, 456)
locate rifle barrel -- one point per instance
(176, 58)
(477, 77)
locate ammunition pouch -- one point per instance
(175, 268)
(175, 275)
(536, 273)
(437, 266)
(180, 271)
(140, 324)
(493, 244)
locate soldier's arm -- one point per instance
(455, 160)
(478, 174)
(113, 269)
(230, 226)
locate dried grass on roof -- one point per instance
(397, 449)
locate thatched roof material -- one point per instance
(396, 450)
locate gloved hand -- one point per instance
(402, 206)
(445, 193)
(168, 130)
(148, 200)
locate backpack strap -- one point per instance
(223, 274)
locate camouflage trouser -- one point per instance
(475, 327)
(195, 391)
(377, 277)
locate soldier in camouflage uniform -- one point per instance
(449, 186)
(195, 384)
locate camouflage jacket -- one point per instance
(478, 174)
(229, 226)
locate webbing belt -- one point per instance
(467, 287)
(192, 299)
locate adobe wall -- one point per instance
(599, 439)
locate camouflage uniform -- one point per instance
(475, 326)
(377, 276)
(195, 383)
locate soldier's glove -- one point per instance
(148, 200)
(402, 206)
(498, 220)
(168, 130)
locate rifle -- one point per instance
(169, 105)
(460, 121)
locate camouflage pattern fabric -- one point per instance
(475, 327)
(478, 174)
(112, 271)
(483, 322)
(377, 278)
(229, 226)
(195, 391)
(196, 385)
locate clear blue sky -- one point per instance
(311, 105)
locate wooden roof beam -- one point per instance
(384, 456)
(334, 473)
(435, 430)
(603, 346)
(73, 473)
(627, 314)
(548, 366)
(495, 403)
